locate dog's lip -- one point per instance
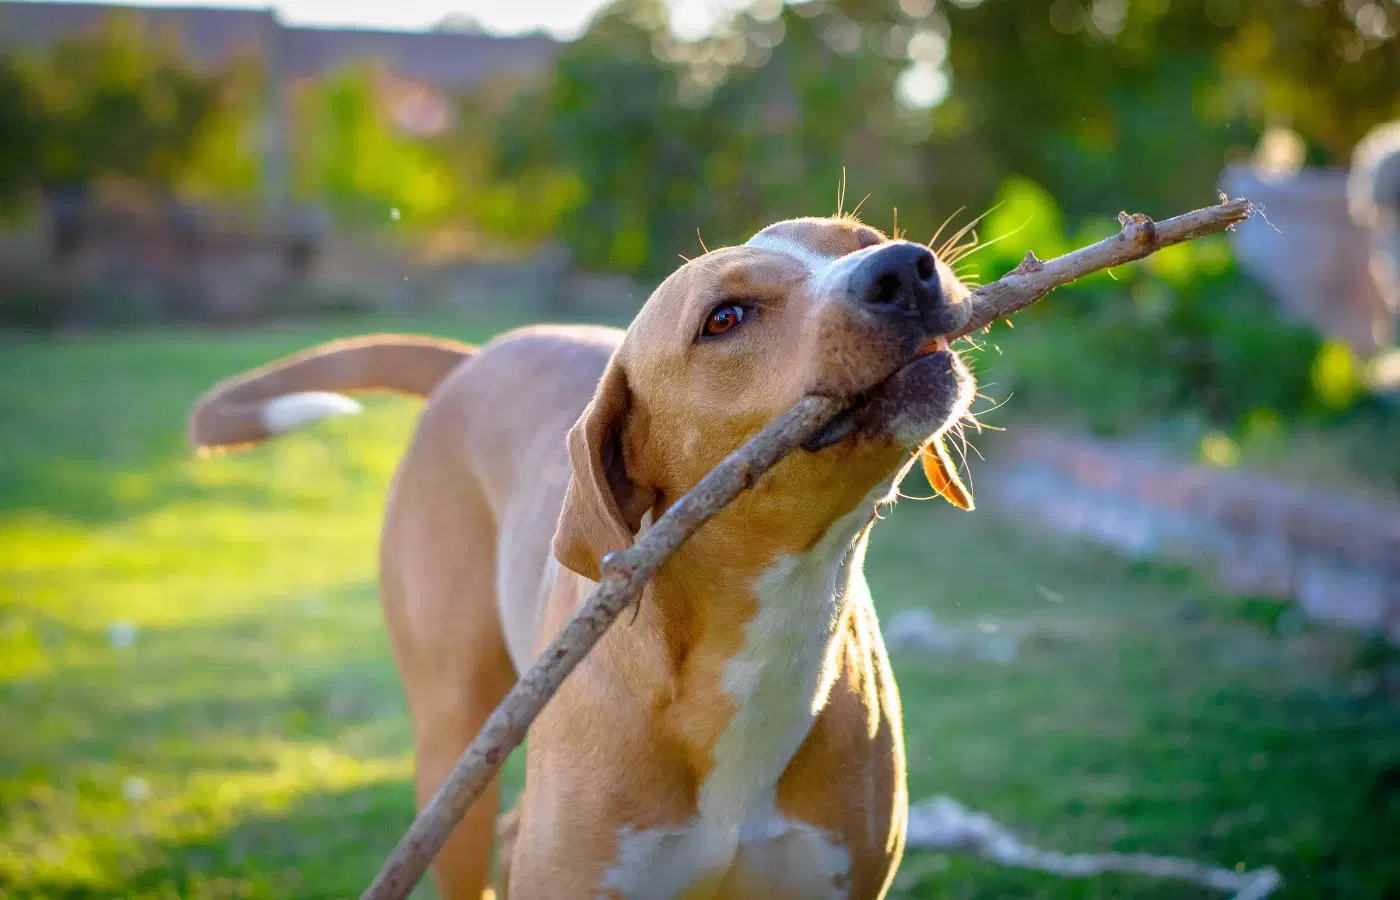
(929, 347)
(845, 423)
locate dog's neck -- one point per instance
(754, 654)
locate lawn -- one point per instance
(198, 698)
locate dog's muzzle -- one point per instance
(920, 396)
(896, 292)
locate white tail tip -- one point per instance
(292, 411)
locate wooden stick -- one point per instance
(1139, 237)
(625, 572)
(623, 575)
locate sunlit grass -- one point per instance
(195, 682)
(198, 700)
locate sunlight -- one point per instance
(922, 86)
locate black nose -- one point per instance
(900, 275)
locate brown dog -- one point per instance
(741, 737)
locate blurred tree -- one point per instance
(349, 154)
(223, 159)
(19, 129)
(612, 117)
(524, 206)
(1112, 103)
(666, 138)
(111, 103)
(1329, 68)
(930, 105)
(116, 103)
(816, 99)
(1101, 103)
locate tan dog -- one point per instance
(741, 737)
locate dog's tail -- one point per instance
(309, 386)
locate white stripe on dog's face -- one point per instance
(813, 261)
(826, 274)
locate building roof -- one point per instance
(450, 60)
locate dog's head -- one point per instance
(733, 339)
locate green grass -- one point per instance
(252, 740)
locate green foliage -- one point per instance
(1327, 68)
(638, 139)
(526, 206)
(1024, 218)
(350, 156)
(1182, 330)
(116, 103)
(111, 103)
(664, 138)
(224, 160)
(1124, 357)
(610, 118)
(19, 125)
(1137, 104)
(1107, 105)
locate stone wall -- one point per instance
(1338, 557)
(127, 257)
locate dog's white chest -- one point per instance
(739, 843)
(775, 857)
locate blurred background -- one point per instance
(1170, 627)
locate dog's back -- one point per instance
(494, 428)
(488, 463)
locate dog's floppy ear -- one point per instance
(603, 507)
(943, 474)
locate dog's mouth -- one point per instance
(912, 403)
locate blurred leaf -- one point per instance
(1026, 218)
(1336, 376)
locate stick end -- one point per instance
(1245, 209)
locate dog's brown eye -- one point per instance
(724, 320)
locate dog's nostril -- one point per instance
(925, 267)
(886, 289)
